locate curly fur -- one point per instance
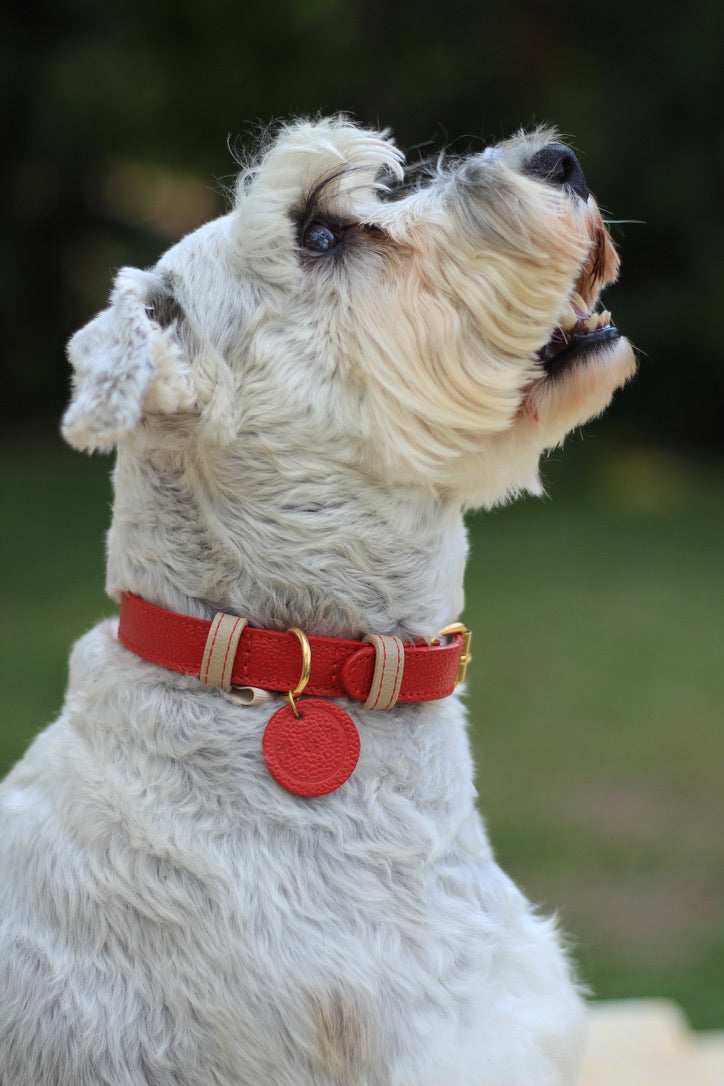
(297, 435)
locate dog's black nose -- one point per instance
(557, 164)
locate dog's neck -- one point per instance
(335, 554)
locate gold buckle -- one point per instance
(460, 628)
(306, 667)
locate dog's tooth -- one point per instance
(579, 306)
(604, 319)
(568, 321)
(591, 324)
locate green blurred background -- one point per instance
(597, 689)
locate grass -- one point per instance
(595, 696)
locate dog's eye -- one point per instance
(319, 238)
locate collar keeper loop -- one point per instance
(389, 668)
(220, 650)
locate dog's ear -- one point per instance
(127, 362)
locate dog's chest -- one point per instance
(332, 950)
(330, 927)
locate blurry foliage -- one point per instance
(117, 120)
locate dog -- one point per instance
(248, 850)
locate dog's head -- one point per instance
(439, 332)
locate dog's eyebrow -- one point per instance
(163, 304)
(314, 198)
(315, 195)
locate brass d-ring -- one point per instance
(306, 667)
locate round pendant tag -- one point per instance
(314, 753)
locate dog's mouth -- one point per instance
(582, 329)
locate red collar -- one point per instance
(272, 660)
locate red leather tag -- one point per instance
(314, 753)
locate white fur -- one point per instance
(297, 436)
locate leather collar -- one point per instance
(273, 660)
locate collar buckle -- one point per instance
(467, 635)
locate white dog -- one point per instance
(288, 883)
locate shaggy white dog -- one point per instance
(304, 395)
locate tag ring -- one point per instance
(306, 667)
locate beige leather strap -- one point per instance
(221, 645)
(389, 666)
